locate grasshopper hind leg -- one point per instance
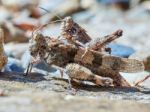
(81, 73)
(139, 82)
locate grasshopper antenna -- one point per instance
(45, 25)
(40, 27)
(51, 12)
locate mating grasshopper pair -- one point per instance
(82, 57)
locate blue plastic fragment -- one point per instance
(112, 1)
(13, 65)
(121, 50)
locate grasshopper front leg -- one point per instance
(30, 65)
(29, 68)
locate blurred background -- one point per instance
(19, 18)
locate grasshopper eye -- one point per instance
(72, 31)
(43, 47)
(32, 53)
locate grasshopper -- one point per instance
(55, 51)
(82, 58)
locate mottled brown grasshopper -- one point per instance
(75, 53)
(60, 53)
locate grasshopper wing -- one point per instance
(123, 64)
(98, 59)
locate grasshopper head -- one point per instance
(73, 31)
(69, 28)
(37, 45)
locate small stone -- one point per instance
(2, 92)
(17, 4)
(5, 14)
(12, 33)
(146, 4)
